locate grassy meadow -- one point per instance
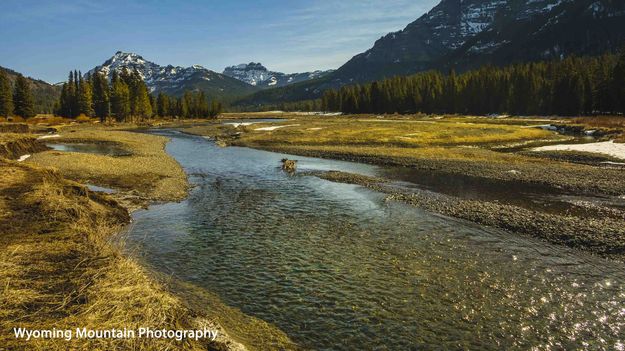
(455, 144)
(147, 174)
(59, 268)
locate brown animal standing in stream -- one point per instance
(289, 165)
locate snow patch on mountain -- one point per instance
(258, 75)
(156, 77)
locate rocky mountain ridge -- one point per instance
(174, 80)
(258, 75)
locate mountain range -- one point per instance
(465, 34)
(455, 34)
(175, 80)
(236, 80)
(258, 75)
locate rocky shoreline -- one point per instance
(601, 236)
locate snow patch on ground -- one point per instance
(237, 125)
(609, 148)
(275, 127)
(23, 158)
(49, 136)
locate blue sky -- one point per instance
(45, 38)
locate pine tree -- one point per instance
(184, 105)
(215, 109)
(101, 96)
(138, 96)
(63, 103)
(153, 105)
(618, 84)
(84, 97)
(569, 87)
(76, 81)
(451, 91)
(6, 95)
(23, 98)
(120, 99)
(72, 101)
(143, 108)
(162, 105)
(202, 105)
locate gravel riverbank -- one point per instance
(602, 236)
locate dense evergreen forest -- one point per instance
(303, 105)
(573, 86)
(43, 95)
(127, 99)
(17, 99)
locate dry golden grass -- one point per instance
(410, 154)
(79, 274)
(615, 122)
(417, 137)
(58, 268)
(14, 128)
(400, 133)
(14, 145)
(611, 124)
(149, 172)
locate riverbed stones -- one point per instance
(604, 236)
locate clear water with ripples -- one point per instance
(339, 268)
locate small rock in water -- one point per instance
(288, 165)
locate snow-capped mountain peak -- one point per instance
(485, 28)
(254, 73)
(170, 79)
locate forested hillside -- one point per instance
(464, 35)
(44, 94)
(574, 86)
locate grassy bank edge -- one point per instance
(139, 296)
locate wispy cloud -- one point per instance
(327, 33)
(49, 37)
(362, 13)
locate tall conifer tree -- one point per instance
(85, 97)
(6, 95)
(23, 101)
(101, 96)
(120, 98)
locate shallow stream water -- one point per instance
(90, 148)
(337, 267)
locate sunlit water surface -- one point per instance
(338, 268)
